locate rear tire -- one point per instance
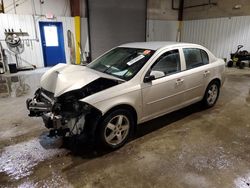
(211, 94)
(115, 129)
(238, 64)
(230, 63)
(241, 65)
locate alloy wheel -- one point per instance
(212, 94)
(117, 130)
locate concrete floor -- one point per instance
(188, 148)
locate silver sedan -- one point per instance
(126, 86)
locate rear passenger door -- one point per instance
(196, 61)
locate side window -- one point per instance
(168, 63)
(195, 57)
(204, 56)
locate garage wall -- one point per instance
(162, 10)
(220, 35)
(162, 30)
(114, 22)
(32, 53)
(224, 8)
(25, 7)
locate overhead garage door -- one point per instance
(114, 22)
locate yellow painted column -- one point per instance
(78, 38)
(179, 31)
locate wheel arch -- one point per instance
(125, 107)
(204, 100)
(215, 80)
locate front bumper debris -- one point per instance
(37, 108)
(64, 117)
(41, 103)
(52, 121)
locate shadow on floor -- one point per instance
(166, 120)
(88, 150)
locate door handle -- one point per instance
(206, 73)
(179, 81)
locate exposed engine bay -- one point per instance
(65, 115)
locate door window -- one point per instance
(195, 57)
(51, 36)
(168, 63)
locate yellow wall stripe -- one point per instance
(179, 31)
(78, 38)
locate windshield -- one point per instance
(123, 63)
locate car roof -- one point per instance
(155, 45)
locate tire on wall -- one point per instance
(115, 128)
(211, 94)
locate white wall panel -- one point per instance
(161, 30)
(220, 35)
(115, 22)
(56, 7)
(32, 53)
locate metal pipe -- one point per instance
(180, 13)
(33, 7)
(173, 8)
(89, 34)
(193, 6)
(10, 8)
(2, 6)
(10, 5)
(201, 5)
(180, 19)
(34, 22)
(14, 4)
(22, 39)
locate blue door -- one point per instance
(52, 43)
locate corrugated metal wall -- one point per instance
(220, 35)
(161, 30)
(115, 22)
(26, 23)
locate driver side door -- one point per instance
(165, 92)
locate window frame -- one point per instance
(160, 55)
(201, 50)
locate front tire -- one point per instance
(116, 128)
(211, 94)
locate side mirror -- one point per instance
(149, 78)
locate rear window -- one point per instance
(195, 57)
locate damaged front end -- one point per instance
(64, 115)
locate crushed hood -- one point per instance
(63, 78)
